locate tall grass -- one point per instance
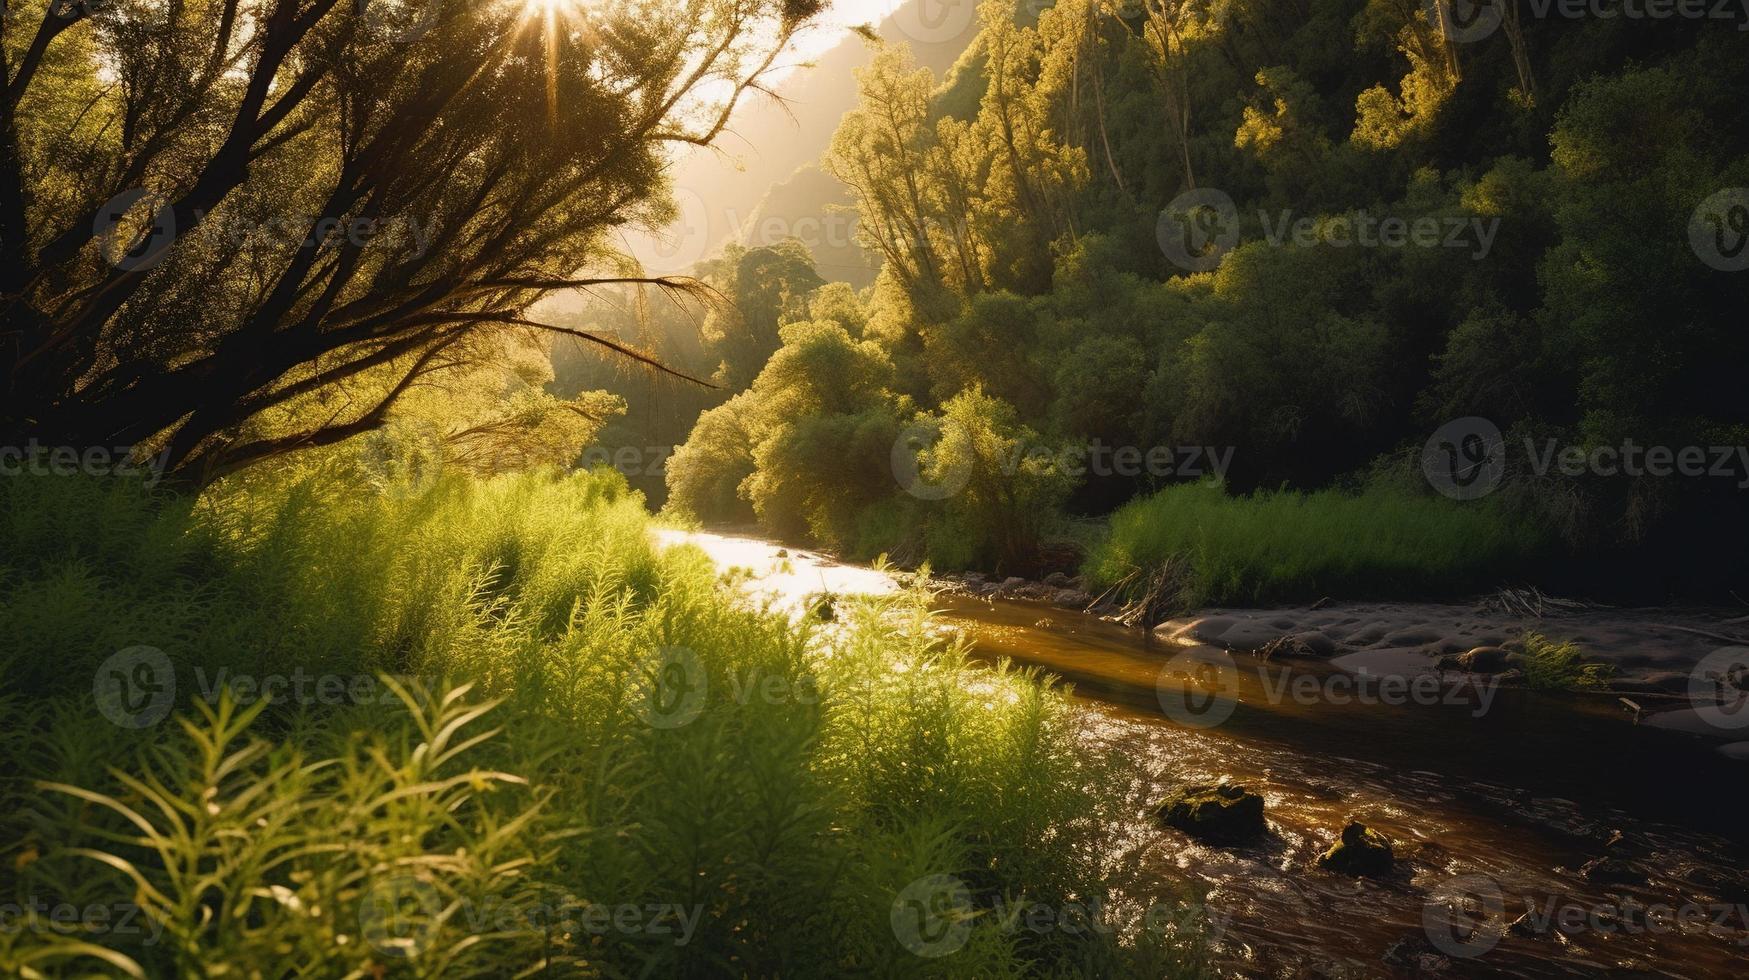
(1383, 542)
(551, 740)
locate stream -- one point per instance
(1491, 813)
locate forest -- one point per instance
(943, 571)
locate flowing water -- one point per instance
(1492, 813)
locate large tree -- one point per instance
(211, 210)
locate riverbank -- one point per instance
(1523, 796)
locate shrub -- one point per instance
(1383, 542)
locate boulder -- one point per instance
(1010, 585)
(1072, 599)
(972, 578)
(1361, 851)
(1223, 814)
(1485, 660)
(1057, 580)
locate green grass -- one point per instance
(1287, 547)
(567, 723)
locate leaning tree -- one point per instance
(211, 210)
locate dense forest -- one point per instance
(1301, 237)
(1406, 335)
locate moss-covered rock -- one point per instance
(1361, 851)
(1223, 814)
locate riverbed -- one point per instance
(1494, 801)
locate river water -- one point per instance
(1491, 813)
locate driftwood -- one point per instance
(1532, 602)
(1154, 594)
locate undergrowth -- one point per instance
(485, 727)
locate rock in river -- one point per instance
(1224, 814)
(1361, 851)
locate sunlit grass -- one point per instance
(1284, 547)
(512, 765)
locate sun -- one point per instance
(550, 9)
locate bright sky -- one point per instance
(836, 21)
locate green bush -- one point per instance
(1380, 543)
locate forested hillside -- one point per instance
(1304, 235)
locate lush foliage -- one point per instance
(1274, 547)
(1020, 206)
(526, 761)
(214, 212)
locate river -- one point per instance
(1493, 812)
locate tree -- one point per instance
(215, 208)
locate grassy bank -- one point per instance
(504, 734)
(1288, 547)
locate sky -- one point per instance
(837, 21)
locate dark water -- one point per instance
(1517, 799)
(1492, 812)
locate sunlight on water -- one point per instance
(786, 578)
